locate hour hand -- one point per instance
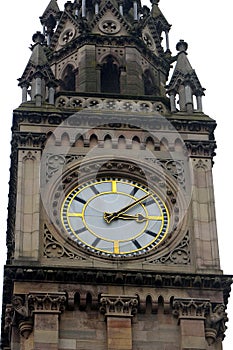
(108, 217)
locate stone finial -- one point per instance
(38, 38)
(182, 46)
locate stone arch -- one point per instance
(79, 141)
(121, 142)
(108, 141)
(68, 78)
(136, 143)
(93, 140)
(149, 82)
(51, 139)
(65, 139)
(178, 145)
(150, 144)
(110, 75)
(164, 144)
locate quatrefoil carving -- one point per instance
(109, 26)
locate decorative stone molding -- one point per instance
(180, 255)
(119, 306)
(29, 140)
(109, 104)
(190, 308)
(56, 250)
(46, 302)
(201, 148)
(132, 278)
(214, 316)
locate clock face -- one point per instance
(115, 217)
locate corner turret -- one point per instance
(38, 75)
(185, 83)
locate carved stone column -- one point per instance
(191, 318)
(46, 308)
(119, 311)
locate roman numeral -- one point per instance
(149, 202)
(96, 241)
(81, 230)
(150, 233)
(134, 191)
(94, 189)
(137, 244)
(80, 200)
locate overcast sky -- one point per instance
(207, 27)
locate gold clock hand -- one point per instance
(139, 217)
(108, 217)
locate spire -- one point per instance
(49, 19)
(38, 74)
(185, 83)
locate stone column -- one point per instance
(191, 319)
(46, 309)
(119, 311)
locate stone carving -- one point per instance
(214, 317)
(178, 256)
(47, 302)
(174, 167)
(215, 323)
(201, 148)
(109, 26)
(185, 308)
(33, 140)
(67, 36)
(54, 249)
(73, 102)
(17, 314)
(122, 306)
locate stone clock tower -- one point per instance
(111, 237)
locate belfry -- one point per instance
(111, 233)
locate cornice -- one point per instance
(214, 282)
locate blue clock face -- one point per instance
(115, 217)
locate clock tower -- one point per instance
(111, 236)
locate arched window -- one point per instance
(149, 85)
(68, 79)
(110, 76)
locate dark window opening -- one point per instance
(149, 85)
(110, 76)
(68, 80)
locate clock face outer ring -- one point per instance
(115, 217)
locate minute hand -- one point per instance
(108, 217)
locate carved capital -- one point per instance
(41, 302)
(201, 148)
(190, 308)
(119, 306)
(214, 316)
(29, 140)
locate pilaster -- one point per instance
(119, 311)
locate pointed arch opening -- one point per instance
(68, 82)
(149, 83)
(110, 76)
